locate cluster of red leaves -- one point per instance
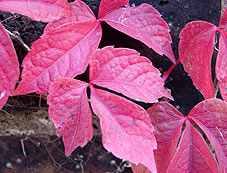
(149, 138)
(68, 45)
(189, 152)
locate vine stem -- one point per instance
(167, 73)
(18, 40)
(216, 87)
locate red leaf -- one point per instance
(193, 154)
(9, 67)
(106, 6)
(223, 89)
(125, 71)
(167, 122)
(195, 51)
(82, 13)
(139, 168)
(126, 128)
(40, 10)
(223, 21)
(60, 53)
(221, 64)
(143, 23)
(211, 116)
(70, 112)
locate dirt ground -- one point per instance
(27, 137)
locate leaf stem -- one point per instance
(18, 40)
(167, 73)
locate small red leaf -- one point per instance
(221, 64)
(106, 6)
(211, 116)
(139, 168)
(126, 128)
(9, 67)
(81, 13)
(193, 154)
(195, 51)
(223, 89)
(223, 21)
(60, 53)
(40, 10)
(70, 112)
(167, 122)
(143, 23)
(125, 71)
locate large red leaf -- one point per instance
(9, 67)
(193, 154)
(221, 64)
(125, 71)
(195, 51)
(143, 23)
(211, 116)
(64, 52)
(81, 13)
(40, 10)
(70, 112)
(126, 128)
(106, 6)
(167, 122)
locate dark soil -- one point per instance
(37, 153)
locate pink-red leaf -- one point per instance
(195, 51)
(126, 128)
(9, 67)
(70, 112)
(64, 52)
(211, 116)
(223, 89)
(81, 13)
(143, 23)
(106, 6)
(193, 154)
(40, 10)
(167, 122)
(221, 64)
(223, 21)
(125, 71)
